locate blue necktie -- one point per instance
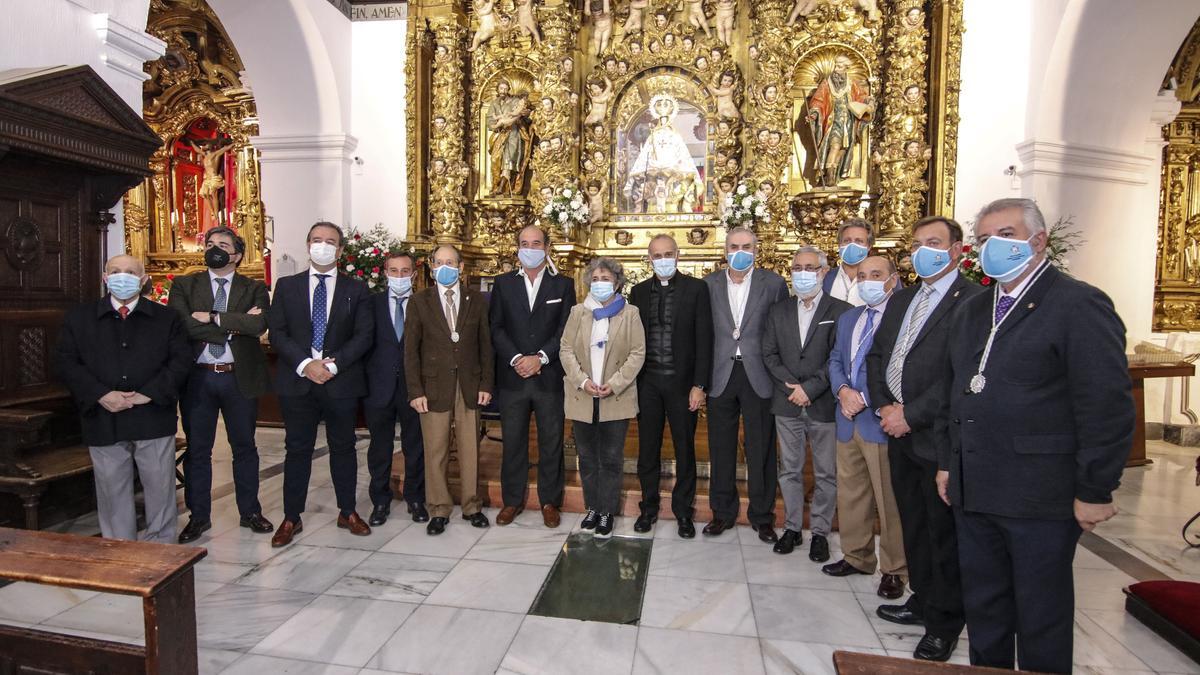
(320, 313)
(220, 304)
(1004, 304)
(864, 346)
(398, 321)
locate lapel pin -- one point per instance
(956, 293)
(1030, 306)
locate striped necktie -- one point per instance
(895, 369)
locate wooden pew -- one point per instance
(160, 574)
(854, 663)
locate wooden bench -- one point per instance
(161, 574)
(855, 663)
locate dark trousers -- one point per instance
(547, 408)
(601, 447)
(301, 415)
(381, 422)
(206, 395)
(740, 400)
(1019, 585)
(659, 401)
(930, 544)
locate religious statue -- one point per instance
(602, 20)
(595, 196)
(527, 21)
(486, 11)
(805, 7)
(637, 11)
(724, 94)
(664, 162)
(213, 180)
(837, 113)
(726, 13)
(694, 9)
(508, 121)
(600, 92)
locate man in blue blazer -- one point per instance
(387, 399)
(863, 474)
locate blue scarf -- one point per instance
(610, 310)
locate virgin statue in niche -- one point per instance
(663, 177)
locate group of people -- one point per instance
(982, 429)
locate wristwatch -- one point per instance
(212, 316)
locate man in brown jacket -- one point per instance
(448, 360)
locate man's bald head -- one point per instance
(126, 264)
(876, 267)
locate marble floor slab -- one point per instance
(308, 569)
(455, 542)
(829, 617)
(255, 664)
(482, 584)
(33, 603)
(239, 617)
(698, 605)
(787, 657)
(662, 651)
(393, 576)
(697, 560)
(548, 644)
(518, 544)
(450, 641)
(338, 630)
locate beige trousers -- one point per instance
(436, 430)
(864, 490)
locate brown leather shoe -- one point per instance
(550, 515)
(354, 523)
(891, 586)
(287, 530)
(508, 514)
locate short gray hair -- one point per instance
(658, 237)
(822, 257)
(856, 222)
(739, 229)
(1031, 215)
(610, 264)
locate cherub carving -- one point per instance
(694, 10)
(602, 18)
(724, 92)
(601, 93)
(726, 13)
(486, 11)
(527, 21)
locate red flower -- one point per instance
(375, 251)
(349, 258)
(170, 277)
(968, 264)
(986, 281)
(966, 248)
(357, 237)
(375, 269)
(359, 273)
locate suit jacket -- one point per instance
(766, 288)
(840, 375)
(348, 335)
(1054, 422)
(193, 293)
(926, 367)
(433, 362)
(517, 330)
(807, 365)
(691, 329)
(385, 362)
(147, 352)
(624, 355)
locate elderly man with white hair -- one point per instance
(124, 359)
(1041, 420)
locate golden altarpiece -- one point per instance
(657, 109)
(207, 172)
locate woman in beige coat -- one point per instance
(603, 347)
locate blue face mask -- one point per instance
(853, 253)
(531, 257)
(1004, 259)
(740, 261)
(400, 285)
(124, 286)
(928, 262)
(872, 292)
(602, 290)
(664, 267)
(446, 275)
(804, 283)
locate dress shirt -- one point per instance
(531, 290)
(940, 288)
(856, 336)
(457, 291)
(392, 304)
(806, 314)
(116, 304)
(205, 355)
(1016, 291)
(330, 283)
(845, 288)
(739, 296)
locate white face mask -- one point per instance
(322, 253)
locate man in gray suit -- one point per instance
(741, 298)
(800, 335)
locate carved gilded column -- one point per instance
(448, 171)
(770, 63)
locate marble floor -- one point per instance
(400, 601)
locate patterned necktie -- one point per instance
(398, 320)
(895, 369)
(450, 310)
(123, 310)
(864, 346)
(1003, 305)
(320, 313)
(220, 304)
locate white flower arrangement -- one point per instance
(568, 208)
(745, 207)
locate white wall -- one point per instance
(380, 183)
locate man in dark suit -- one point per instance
(800, 334)
(741, 297)
(225, 313)
(528, 310)
(322, 327)
(387, 398)
(677, 318)
(908, 375)
(450, 369)
(124, 359)
(1040, 427)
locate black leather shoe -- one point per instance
(645, 522)
(932, 648)
(687, 528)
(788, 542)
(716, 527)
(419, 514)
(841, 568)
(194, 529)
(436, 526)
(379, 515)
(477, 519)
(257, 523)
(900, 614)
(818, 550)
(766, 533)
